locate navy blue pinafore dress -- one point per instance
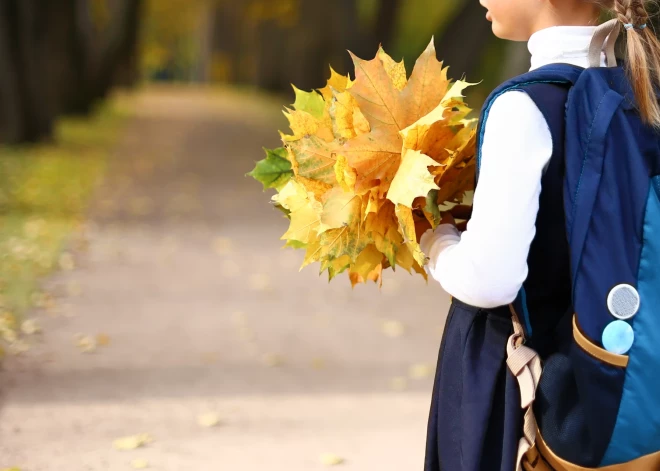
(475, 421)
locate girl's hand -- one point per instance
(462, 211)
(447, 218)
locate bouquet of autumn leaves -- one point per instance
(369, 163)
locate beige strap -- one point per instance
(522, 362)
(525, 364)
(604, 38)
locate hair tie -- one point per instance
(630, 26)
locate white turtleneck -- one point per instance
(486, 265)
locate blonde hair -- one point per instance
(643, 54)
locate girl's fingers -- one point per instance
(447, 218)
(461, 211)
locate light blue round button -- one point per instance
(618, 337)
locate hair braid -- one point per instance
(643, 55)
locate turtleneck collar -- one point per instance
(565, 44)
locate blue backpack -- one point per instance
(598, 398)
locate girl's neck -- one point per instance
(569, 14)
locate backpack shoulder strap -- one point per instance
(564, 75)
(546, 86)
(551, 100)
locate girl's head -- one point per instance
(517, 20)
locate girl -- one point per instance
(476, 419)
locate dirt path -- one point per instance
(206, 314)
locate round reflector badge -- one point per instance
(623, 301)
(618, 337)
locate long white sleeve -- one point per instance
(486, 265)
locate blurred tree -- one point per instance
(171, 37)
(272, 43)
(462, 50)
(61, 57)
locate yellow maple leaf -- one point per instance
(374, 202)
(304, 124)
(396, 70)
(318, 188)
(337, 82)
(375, 157)
(349, 239)
(335, 266)
(305, 211)
(347, 119)
(438, 113)
(312, 157)
(413, 179)
(340, 209)
(391, 107)
(382, 227)
(345, 174)
(367, 262)
(407, 226)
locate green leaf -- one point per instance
(432, 206)
(274, 171)
(295, 244)
(311, 102)
(285, 211)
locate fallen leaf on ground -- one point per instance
(318, 363)
(132, 442)
(18, 347)
(260, 282)
(399, 383)
(66, 262)
(222, 245)
(73, 289)
(273, 359)
(9, 335)
(210, 357)
(30, 327)
(86, 343)
(102, 340)
(210, 419)
(420, 371)
(393, 329)
(330, 459)
(140, 464)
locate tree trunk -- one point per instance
(386, 22)
(347, 34)
(225, 54)
(113, 52)
(11, 109)
(32, 44)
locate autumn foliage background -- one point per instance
(91, 50)
(139, 265)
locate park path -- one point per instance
(203, 313)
